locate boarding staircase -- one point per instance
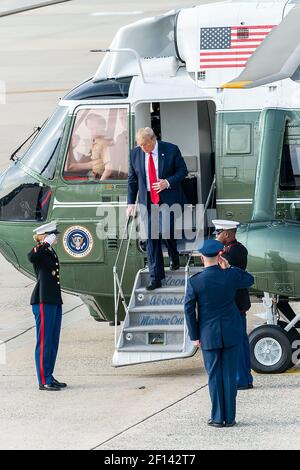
(154, 328)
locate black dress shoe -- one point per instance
(49, 388)
(245, 387)
(153, 285)
(58, 384)
(229, 425)
(210, 422)
(174, 266)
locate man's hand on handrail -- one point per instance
(130, 210)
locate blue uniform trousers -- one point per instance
(244, 376)
(48, 325)
(221, 366)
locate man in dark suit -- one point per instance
(216, 326)
(46, 304)
(155, 173)
(237, 254)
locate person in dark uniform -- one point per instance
(216, 327)
(46, 304)
(155, 120)
(237, 254)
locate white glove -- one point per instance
(50, 239)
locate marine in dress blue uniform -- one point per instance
(170, 172)
(237, 255)
(213, 318)
(46, 304)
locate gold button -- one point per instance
(58, 283)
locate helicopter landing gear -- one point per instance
(275, 346)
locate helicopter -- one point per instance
(221, 81)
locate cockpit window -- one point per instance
(22, 197)
(43, 152)
(290, 167)
(98, 149)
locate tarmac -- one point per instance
(152, 406)
(149, 406)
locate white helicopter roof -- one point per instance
(213, 41)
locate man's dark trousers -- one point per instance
(154, 241)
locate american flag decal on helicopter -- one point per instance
(230, 46)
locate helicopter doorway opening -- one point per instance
(191, 126)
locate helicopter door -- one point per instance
(288, 202)
(191, 126)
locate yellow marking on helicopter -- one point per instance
(236, 84)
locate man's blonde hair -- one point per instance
(144, 134)
(39, 238)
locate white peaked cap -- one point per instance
(225, 224)
(51, 227)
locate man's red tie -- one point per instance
(152, 179)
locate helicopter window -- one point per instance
(238, 139)
(22, 197)
(98, 149)
(43, 152)
(290, 167)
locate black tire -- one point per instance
(275, 333)
(293, 335)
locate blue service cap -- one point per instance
(211, 248)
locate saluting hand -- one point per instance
(51, 239)
(223, 263)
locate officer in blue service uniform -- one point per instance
(216, 326)
(237, 254)
(46, 304)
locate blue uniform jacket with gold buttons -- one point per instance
(46, 267)
(210, 309)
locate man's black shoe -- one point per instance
(210, 422)
(153, 285)
(229, 425)
(174, 266)
(58, 384)
(245, 387)
(49, 388)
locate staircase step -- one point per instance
(161, 290)
(154, 328)
(151, 348)
(157, 309)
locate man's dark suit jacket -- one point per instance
(171, 166)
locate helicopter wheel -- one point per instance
(270, 349)
(293, 336)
